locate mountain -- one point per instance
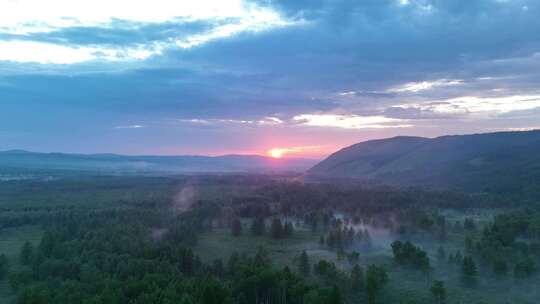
(114, 163)
(502, 161)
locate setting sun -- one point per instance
(276, 152)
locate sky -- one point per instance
(285, 78)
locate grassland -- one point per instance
(220, 243)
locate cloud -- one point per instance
(523, 129)
(350, 121)
(415, 87)
(265, 121)
(27, 16)
(97, 30)
(130, 127)
(474, 105)
(47, 53)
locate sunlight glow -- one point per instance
(298, 151)
(276, 152)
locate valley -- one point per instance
(238, 229)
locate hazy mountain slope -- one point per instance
(366, 158)
(475, 162)
(132, 164)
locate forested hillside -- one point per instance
(502, 163)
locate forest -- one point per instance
(260, 239)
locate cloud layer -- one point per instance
(249, 76)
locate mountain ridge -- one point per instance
(118, 163)
(472, 162)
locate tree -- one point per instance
(410, 255)
(187, 299)
(469, 245)
(334, 296)
(4, 266)
(212, 292)
(187, 261)
(500, 268)
(357, 278)
(524, 268)
(288, 229)
(325, 269)
(26, 254)
(314, 223)
(354, 257)
(376, 279)
(441, 253)
(276, 228)
(233, 262)
(438, 291)
(236, 227)
(261, 258)
(258, 227)
(469, 271)
(458, 257)
(443, 231)
(469, 224)
(217, 267)
(304, 266)
(324, 296)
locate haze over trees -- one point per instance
(259, 238)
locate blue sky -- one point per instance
(307, 77)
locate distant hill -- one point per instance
(113, 163)
(495, 162)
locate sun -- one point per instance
(276, 152)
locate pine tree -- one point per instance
(261, 258)
(334, 296)
(4, 266)
(525, 268)
(439, 291)
(233, 262)
(469, 224)
(314, 224)
(451, 258)
(441, 253)
(469, 271)
(376, 279)
(258, 227)
(357, 278)
(354, 257)
(277, 228)
(469, 245)
(469, 267)
(26, 254)
(236, 227)
(288, 229)
(188, 262)
(458, 258)
(304, 266)
(500, 268)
